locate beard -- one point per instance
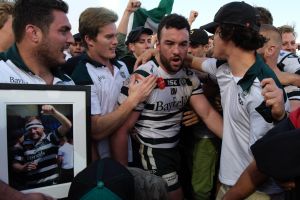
(166, 64)
(46, 56)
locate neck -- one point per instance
(240, 61)
(105, 61)
(29, 57)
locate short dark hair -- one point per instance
(173, 21)
(242, 37)
(265, 16)
(36, 12)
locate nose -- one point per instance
(175, 50)
(70, 38)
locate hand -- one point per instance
(140, 87)
(288, 185)
(190, 118)
(133, 5)
(36, 196)
(193, 16)
(48, 110)
(145, 57)
(30, 166)
(274, 98)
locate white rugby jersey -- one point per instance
(13, 70)
(105, 88)
(246, 119)
(161, 114)
(288, 62)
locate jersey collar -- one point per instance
(13, 54)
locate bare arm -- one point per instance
(8, 193)
(192, 17)
(287, 78)
(105, 125)
(246, 184)
(131, 7)
(119, 140)
(65, 122)
(211, 118)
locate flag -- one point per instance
(151, 18)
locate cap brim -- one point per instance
(210, 27)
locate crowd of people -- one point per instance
(187, 115)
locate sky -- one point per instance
(284, 12)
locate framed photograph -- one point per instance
(43, 136)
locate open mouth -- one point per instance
(176, 61)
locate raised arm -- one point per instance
(131, 7)
(65, 122)
(192, 17)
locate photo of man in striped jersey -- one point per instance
(36, 160)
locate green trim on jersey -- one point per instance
(258, 70)
(13, 55)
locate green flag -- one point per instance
(151, 18)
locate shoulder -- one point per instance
(147, 69)
(80, 74)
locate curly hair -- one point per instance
(242, 37)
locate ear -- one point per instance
(90, 42)
(131, 47)
(33, 33)
(206, 48)
(269, 51)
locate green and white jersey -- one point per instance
(246, 118)
(161, 114)
(13, 70)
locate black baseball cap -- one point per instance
(135, 33)
(103, 179)
(236, 13)
(77, 37)
(198, 36)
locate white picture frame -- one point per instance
(78, 97)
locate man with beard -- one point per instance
(41, 36)
(157, 120)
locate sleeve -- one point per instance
(121, 50)
(210, 66)
(292, 64)
(197, 86)
(258, 123)
(139, 73)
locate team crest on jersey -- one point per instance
(182, 81)
(173, 91)
(123, 74)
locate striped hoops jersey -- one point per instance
(161, 114)
(44, 154)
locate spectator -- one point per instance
(66, 160)
(6, 32)
(288, 36)
(35, 57)
(105, 74)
